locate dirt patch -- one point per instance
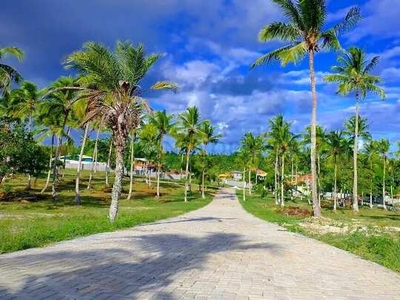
(296, 211)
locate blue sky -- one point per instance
(208, 47)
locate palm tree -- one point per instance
(371, 151)
(254, 146)
(207, 137)
(111, 85)
(8, 75)
(305, 33)
(189, 127)
(24, 101)
(58, 103)
(337, 145)
(383, 149)
(360, 126)
(353, 75)
(162, 122)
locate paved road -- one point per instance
(217, 252)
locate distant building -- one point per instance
(237, 175)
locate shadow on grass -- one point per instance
(146, 263)
(391, 217)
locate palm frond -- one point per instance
(292, 53)
(351, 19)
(165, 85)
(282, 31)
(14, 51)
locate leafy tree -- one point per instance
(353, 75)
(383, 149)
(305, 32)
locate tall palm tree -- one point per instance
(361, 126)
(383, 149)
(208, 136)
(353, 74)
(58, 103)
(337, 145)
(112, 88)
(8, 75)
(162, 122)
(24, 101)
(189, 127)
(305, 32)
(371, 151)
(254, 146)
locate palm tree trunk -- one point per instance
(276, 178)
(203, 175)
(249, 181)
(318, 178)
(132, 158)
(335, 186)
(370, 199)
(50, 163)
(291, 177)
(244, 184)
(117, 187)
(109, 163)
(28, 182)
(314, 192)
(94, 160)
(355, 152)
(383, 183)
(187, 173)
(159, 167)
(282, 181)
(78, 170)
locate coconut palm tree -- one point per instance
(353, 74)
(24, 101)
(111, 84)
(8, 75)
(254, 146)
(189, 128)
(337, 145)
(357, 128)
(305, 32)
(370, 149)
(383, 149)
(162, 122)
(208, 136)
(58, 104)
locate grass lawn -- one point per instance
(373, 234)
(41, 221)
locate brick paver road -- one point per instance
(217, 252)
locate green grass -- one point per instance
(35, 223)
(373, 234)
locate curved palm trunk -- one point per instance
(119, 168)
(50, 163)
(335, 186)
(109, 164)
(203, 175)
(276, 179)
(282, 181)
(94, 161)
(132, 158)
(314, 192)
(355, 152)
(78, 170)
(244, 184)
(383, 183)
(187, 173)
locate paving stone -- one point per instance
(217, 252)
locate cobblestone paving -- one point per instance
(217, 252)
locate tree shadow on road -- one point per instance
(135, 265)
